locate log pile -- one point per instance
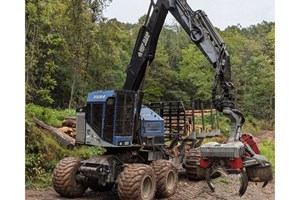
(69, 131)
(69, 127)
(189, 113)
(69, 122)
(63, 138)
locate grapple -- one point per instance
(238, 157)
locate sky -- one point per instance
(222, 13)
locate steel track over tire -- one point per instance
(166, 178)
(136, 182)
(64, 178)
(192, 165)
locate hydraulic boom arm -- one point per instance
(201, 32)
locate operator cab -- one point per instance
(109, 117)
(108, 120)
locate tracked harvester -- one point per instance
(138, 161)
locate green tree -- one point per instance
(41, 49)
(259, 88)
(241, 49)
(59, 37)
(196, 74)
(71, 49)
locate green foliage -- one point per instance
(65, 41)
(224, 179)
(197, 84)
(42, 47)
(260, 86)
(159, 77)
(86, 152)
(267, 148)
(224, 124)
(49, 116)
(42, 154)
(71, 49)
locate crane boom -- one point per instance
(201, 32)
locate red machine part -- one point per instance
(205, 163)
(233, 164)
(248, 138)
(236, 164)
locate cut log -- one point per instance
(66, 129)
(69, 122)
(62, 138)
(69, 131)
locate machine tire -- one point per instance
(166, 178)
(136, 182)
(64, 178)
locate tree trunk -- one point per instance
(72, 89)
(62, 138)
(271, 116)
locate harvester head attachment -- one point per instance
(241, 173)
(261, 173)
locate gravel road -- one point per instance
(226, 189)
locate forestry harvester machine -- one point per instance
(138, 162)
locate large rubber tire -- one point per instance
(192, 165)
(166, 178)
(136, 182)
(64, 178)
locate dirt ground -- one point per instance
(226, 189)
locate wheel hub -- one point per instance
(170, 180)
(146, 187)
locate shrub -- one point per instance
(49, 116)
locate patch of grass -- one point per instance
(53, 117)
(183, 184)
(43, 180)
(223, 180)
(86, 152)
(266, 125)
(202, 195)
(267, 148)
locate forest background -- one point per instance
(72, 49)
